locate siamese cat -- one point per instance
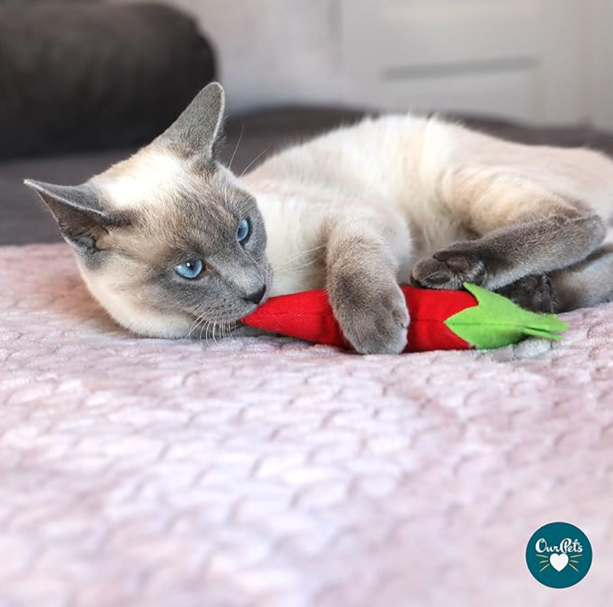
(170, 239)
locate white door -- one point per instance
(523, 59)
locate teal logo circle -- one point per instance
(559, 555)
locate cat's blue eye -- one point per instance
(244, 228)
(190, 269)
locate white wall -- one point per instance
(599, 62)
(274, 51)
(534, 60)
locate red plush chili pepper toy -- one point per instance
(440, 320)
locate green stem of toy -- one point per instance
(496, 322)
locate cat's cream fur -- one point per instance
(441, 181)
(357, 209)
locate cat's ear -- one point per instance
(199, 127)
(78, 213)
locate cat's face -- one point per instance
(167, 241)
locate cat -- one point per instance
(170, 239)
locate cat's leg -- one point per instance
(585, 284)
(363, 257)
(524, 230)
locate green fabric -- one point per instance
(496, 322)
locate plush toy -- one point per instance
(440, 320)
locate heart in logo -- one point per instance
(558, 561)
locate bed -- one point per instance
(265, 472)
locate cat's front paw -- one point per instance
(449, 269)
(374, 321)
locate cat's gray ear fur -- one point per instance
(200, 126)
(78, 213)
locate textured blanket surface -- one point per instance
(264, 472)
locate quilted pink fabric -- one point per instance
(268, 473)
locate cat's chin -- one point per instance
(215, 330)
(154, 324)
(245, 331)
(224, 331)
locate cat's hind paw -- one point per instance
(534, 293)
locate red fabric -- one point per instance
(308, 316)
(428, 311)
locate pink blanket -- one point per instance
(265, 472)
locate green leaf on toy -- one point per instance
(496, 322)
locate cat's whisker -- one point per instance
(195, 324)
(204, 327)
(294, 258)
(191, 329)
(307, 251)
(225, 329)
(219, 331)
(299, 269)
(303, 253)
(285, 266)
(255, 160)
(240, 138)
(305, 265)
(206, 333)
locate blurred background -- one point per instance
(546, 61)
(83, 83)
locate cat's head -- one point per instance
(167, 238)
